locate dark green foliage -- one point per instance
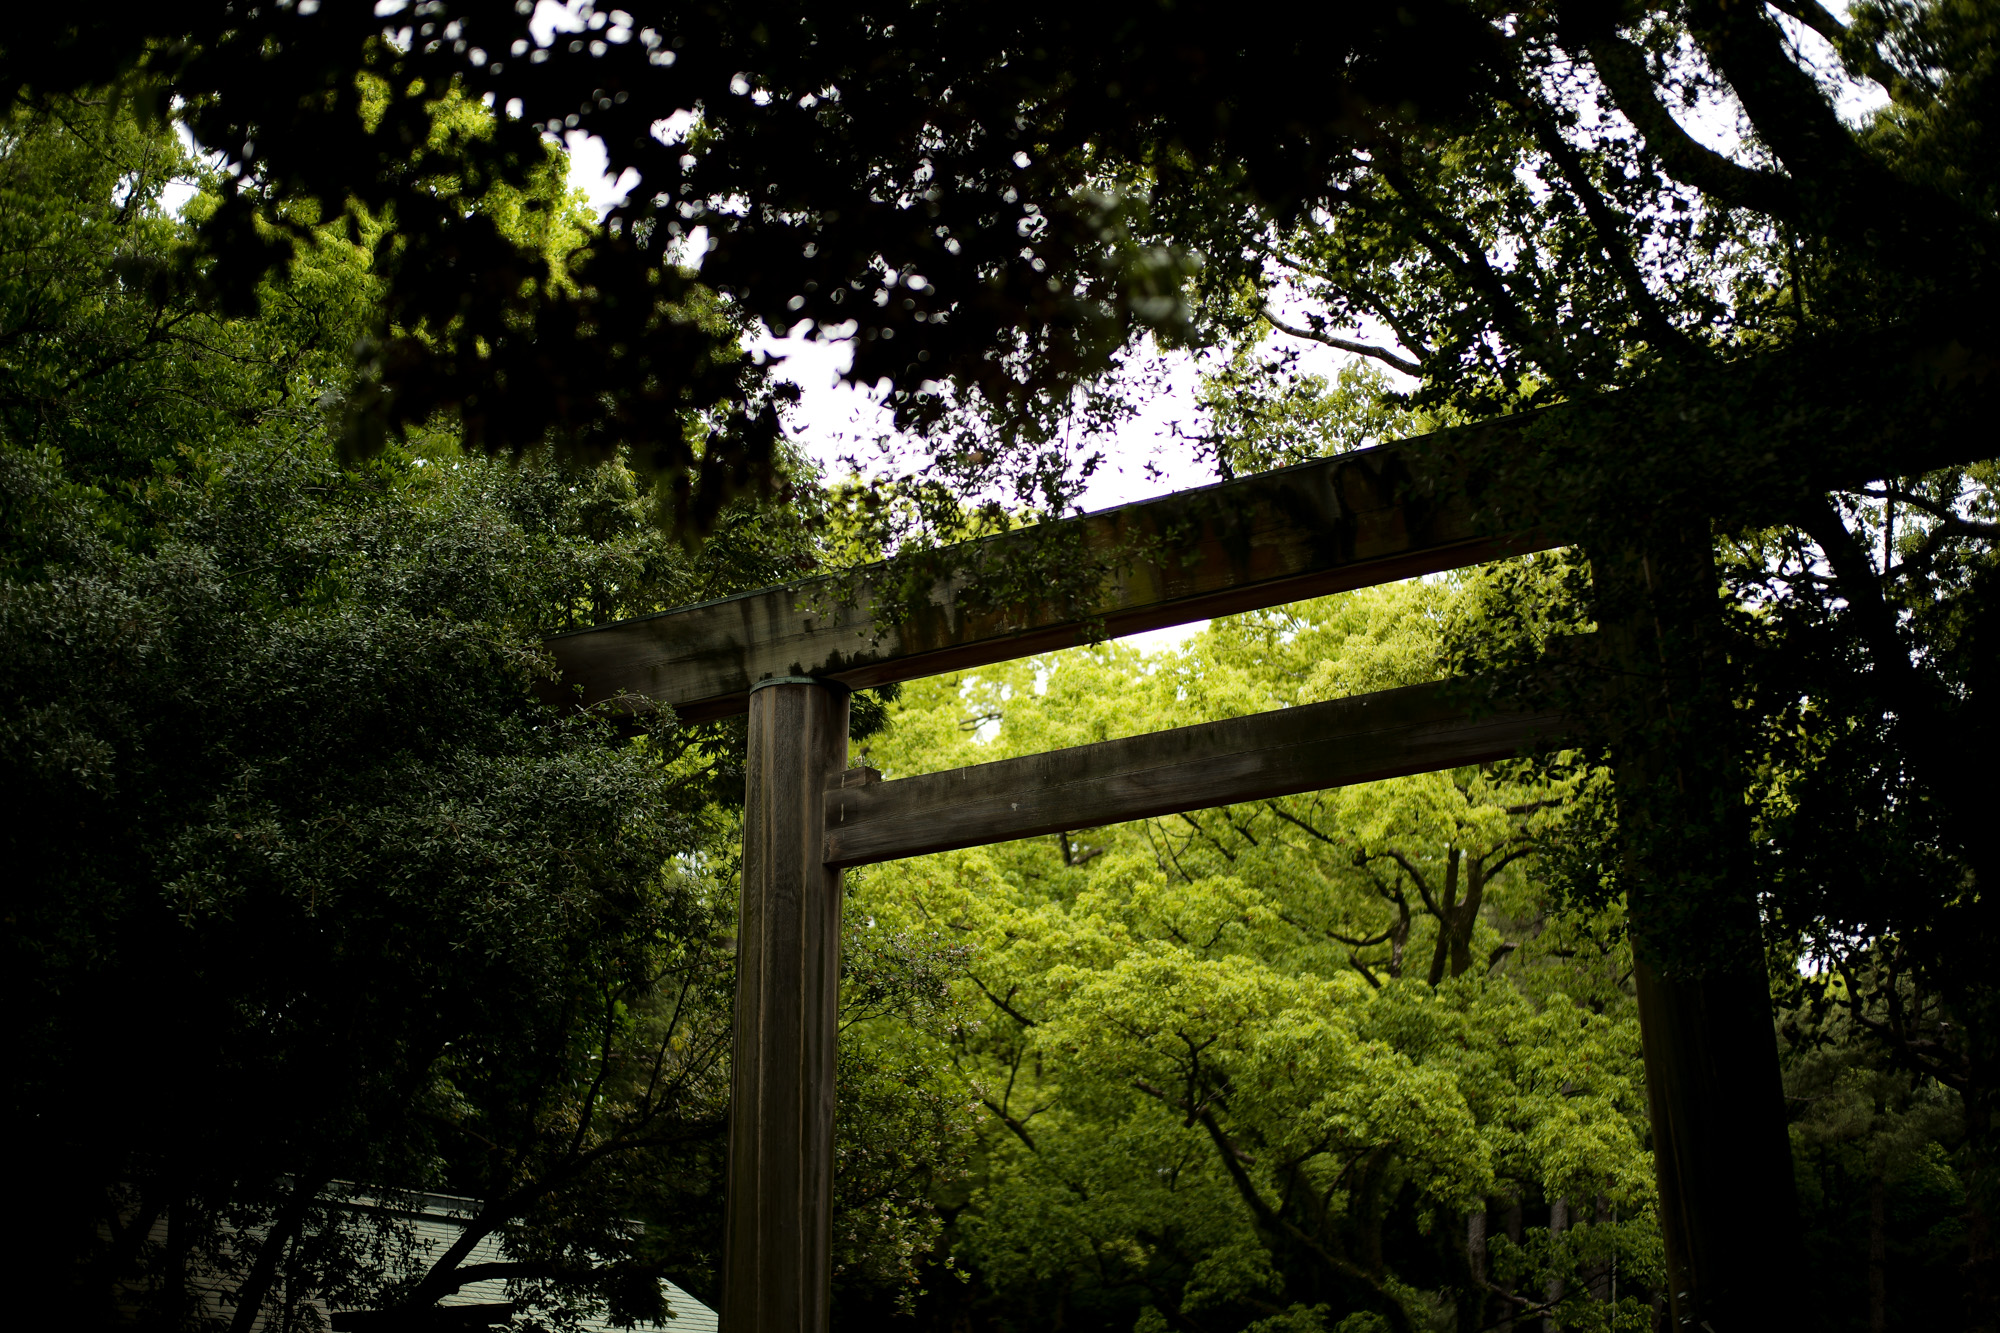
(296, 852)
(1000, 200)
(1014, 194)
(308, 897)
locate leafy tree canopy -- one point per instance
(1276, 1066)
(308, 896)
(995, 201)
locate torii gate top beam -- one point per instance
(1368, 517)
(1373, 516)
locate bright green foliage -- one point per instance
(1269, 414)
(1260, 1066)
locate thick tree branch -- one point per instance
(1621, 65)
(1382, 354)
(1862, 56)
(1849, 193)
(1269, 1219)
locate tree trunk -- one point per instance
(1447, 917)
(777, 1238)
(1477, 1297)
(1466, 920)
(1600, 1272)
(1728, 1216)
(1514, 1235)
(1399, 940)
(1878, 1250)
(1557, 1288)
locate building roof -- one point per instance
(438, 1220)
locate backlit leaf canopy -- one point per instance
(994, 200)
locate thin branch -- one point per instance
(1430, 903)
(597, 1082)
(1019, 1128)
(1607, 225)
(1957, 523)
(1452, 244)
(1294, 820)
(1001, 1004)
(1202, 832)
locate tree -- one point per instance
(1213, 1097)
(1000, 200)
(1508, 201)
(1880, 1152)
(309, 896)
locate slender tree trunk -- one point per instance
(1447, 916)
(1477, 1297)
(1399, 942)
(267, 1269)
(1466, 919)
(1557, 1288)
(1600, 1272)
(1878, 1250)
(1514, 1235)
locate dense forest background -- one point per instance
(308, 895)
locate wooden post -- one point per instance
(776, 1265)
(1722, 1156)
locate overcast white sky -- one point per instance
(838, 419)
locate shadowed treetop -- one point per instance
(1000, 198)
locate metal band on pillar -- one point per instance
(777, 1241)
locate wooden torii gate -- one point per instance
(790, 655)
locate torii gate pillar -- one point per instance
(1728, 1213)
(776, 1264)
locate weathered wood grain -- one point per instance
(1744, 445)
(1412, 730)
(1372, 516)
(778, 1220)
